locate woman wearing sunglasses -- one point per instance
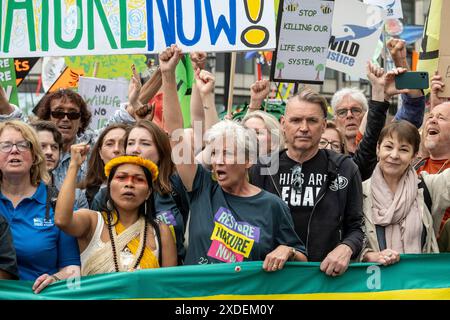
(44, 253)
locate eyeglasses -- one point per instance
(297, 178)
(73, 115)
(335, 146)
(342, 113)
(22, 146)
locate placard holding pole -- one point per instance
(94, 74)
(303, 33)
(444, 49)
(231, 87)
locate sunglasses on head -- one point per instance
(73, 115)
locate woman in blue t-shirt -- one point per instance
(231, 220)
(44, 253)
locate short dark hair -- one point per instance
(310, 96)
(405, 131)
(43, 109)
(41, 125)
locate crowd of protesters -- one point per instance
(144, 192)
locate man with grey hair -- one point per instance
(322, 188)
(349, 106)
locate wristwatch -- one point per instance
(293, 253)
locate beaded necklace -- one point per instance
(113, 245)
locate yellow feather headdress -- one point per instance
(150, 165)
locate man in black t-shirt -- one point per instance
(322, 188)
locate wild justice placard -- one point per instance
(304, 30)
(35, 28)
(356, 29)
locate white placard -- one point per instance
(355, 33)
(72, 28)
(393, 7)
(304, 33)
(103, 97)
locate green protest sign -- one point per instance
(8, 80)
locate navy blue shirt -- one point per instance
(41, 247)
(228, 228)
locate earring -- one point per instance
(109, 205)
(145, 207)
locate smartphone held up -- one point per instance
(412, 80)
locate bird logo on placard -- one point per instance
(391, 5)
(292, 6)
(325, 9)
(354, 32)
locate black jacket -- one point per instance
(365, 155)
(8, 260)
(337, 215)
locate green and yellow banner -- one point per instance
(414, 277)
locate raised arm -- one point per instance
(135, 107)
(205, 83)
(413, 103)
(5, 106)
(151, 87)
(173, 117)
(258, 92)
(198, 60)
(383, 89)
(77, 225)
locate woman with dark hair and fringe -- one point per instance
(125, 236)
(147, 140)
(402, 211)
(109, 145)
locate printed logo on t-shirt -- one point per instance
(339, 183)
(232, 241)
(298, 190)
(39, 222)
(167, 217)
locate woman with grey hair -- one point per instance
(231, 220)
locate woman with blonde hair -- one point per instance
(267, 128)
(24, 202)
(333, 139)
